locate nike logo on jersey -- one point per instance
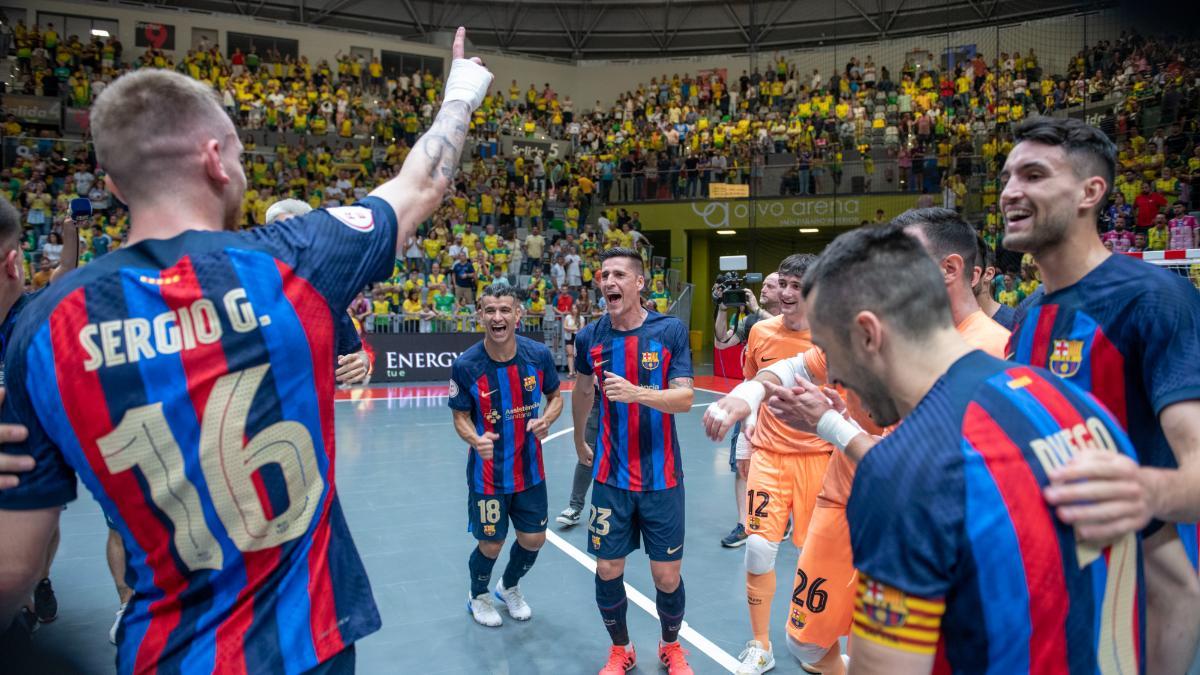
(543, 521)
(673, 551)
(768, 359)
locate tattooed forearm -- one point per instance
(441, 146)
(680, 383)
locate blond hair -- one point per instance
(146, 123)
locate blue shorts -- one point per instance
(488, 515)
(621, 519)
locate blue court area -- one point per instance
(401, 477)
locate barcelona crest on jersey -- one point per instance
(1066, 357)
(529, 383)
(650, 360)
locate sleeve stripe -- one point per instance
(888, 640)
(916, 633)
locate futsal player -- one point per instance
(822, 609)
(645, 366)
(963, 567)
(187, 379)
(496, 389)
(353, 366)
(14, 299)
(1126, 331)
(786, 467)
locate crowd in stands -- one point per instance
(539, 221)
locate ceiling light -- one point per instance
(809, 230)
(99, 32)
(726, 231)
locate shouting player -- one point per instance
(1119, 328)
(785, 468)
(963, 566)
(645, 366)
(188, 380)
(496, 390)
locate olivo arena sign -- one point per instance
(841, 211)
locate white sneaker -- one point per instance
(483, 611)
(112, 632)
(755, 659)
(569, 517)
(514, 601)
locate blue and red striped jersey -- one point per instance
(502, 398)
(950, 507)
(189, 384)
(637, 447)
(1127, 332)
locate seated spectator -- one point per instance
(1158, 236)
(1185, 231)
(1120, 237)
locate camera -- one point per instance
(730, 286)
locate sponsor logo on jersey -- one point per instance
(1066, 357)
(493, 416)
(354, 217)
(529, 383)
(884, 605)
(650, 360)
(453, 389)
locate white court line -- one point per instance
(706, 646)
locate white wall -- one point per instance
(1055, 40)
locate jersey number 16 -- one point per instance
(144, 440)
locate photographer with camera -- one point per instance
(763, 307)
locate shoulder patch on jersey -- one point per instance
(355, 217)
(453, 389)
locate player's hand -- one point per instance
(352, 368)
(486, 444)
(1101, 494)
(620, 390)
(584, 452)
(538, 427)
(469, 78)
(11, 465)
(733, 410)
(799, 407)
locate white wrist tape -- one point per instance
(468, 81)
(742, 449)
(835, 429)
(716, 412)
(752, 392)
